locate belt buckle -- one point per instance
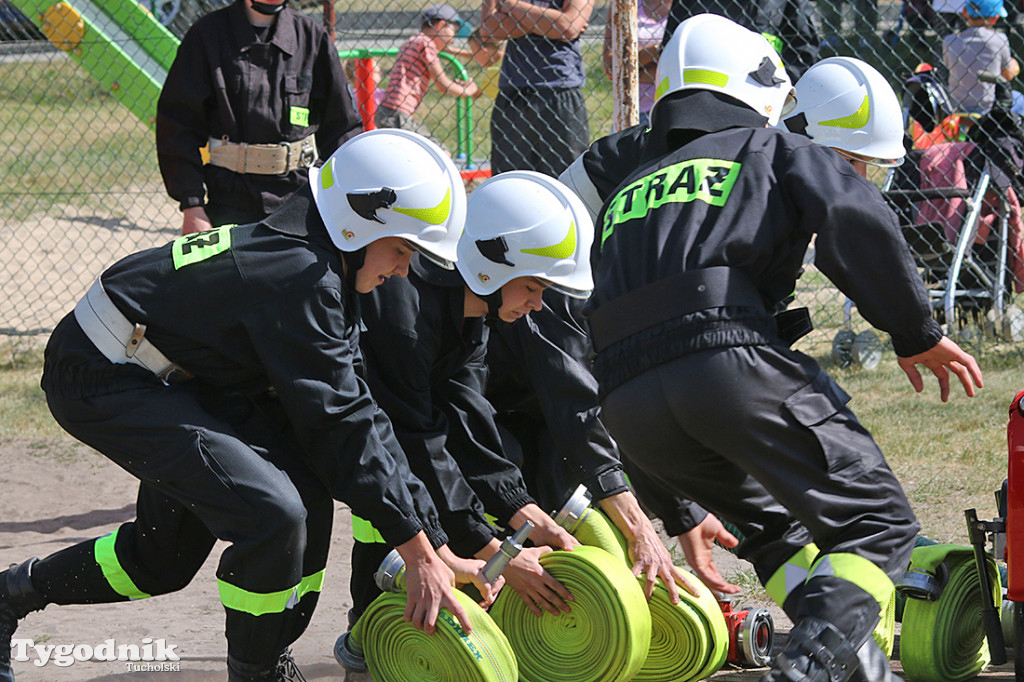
(173, 374)
(287, 157)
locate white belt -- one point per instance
(263, 159)
(118, 339)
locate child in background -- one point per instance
(416, 66)
(979, 47)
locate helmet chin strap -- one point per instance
(493, 306)
(267, 9)
(353, 261)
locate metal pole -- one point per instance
(625, 64)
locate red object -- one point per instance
(476, 174)
(366, 86)
(751, 634)
(1015, 502)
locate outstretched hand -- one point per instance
(941, 359)
(696, 545)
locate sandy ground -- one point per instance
(58, 493)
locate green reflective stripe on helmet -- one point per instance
(859, 571)
(775, 41)
(662, 88)
(259, 603)
(327, 174)
(791, 574)
(435, 215)
(716, 78)
(857, 119)
(363, 531)
(562, 249)
(116, 576)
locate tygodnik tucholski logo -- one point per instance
(150, 655)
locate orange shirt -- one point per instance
(410, 77)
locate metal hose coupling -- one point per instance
(576, 510)
(390, 577)
(751, 634)
(509, 550)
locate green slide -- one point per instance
(117, 41)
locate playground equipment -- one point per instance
(366, 85)
(118, 42)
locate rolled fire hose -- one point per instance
(397, 652)
(943, 636)
(604, 638)
(689, 640)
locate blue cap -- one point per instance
(983, 9)
(446, 12)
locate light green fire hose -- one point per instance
(944, 640)
(400, 653)
(689, 640)
(604, 638)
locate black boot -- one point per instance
(281, 670)
(815, 652)
(18, 598)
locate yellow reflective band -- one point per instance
(119, 581)
(562, 249)
(363, 531)
(259, 603)
(791, 574)
(327, 174)
(857, 119)
(435, 216)
(860, 572)
(199, 246)
(716, 78)
(662, 88)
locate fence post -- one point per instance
(625, 65)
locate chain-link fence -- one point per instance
(81, 186)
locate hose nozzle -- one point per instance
(509, 550)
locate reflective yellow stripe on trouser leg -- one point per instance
(873, 580)
(259, 603)
(118, 579)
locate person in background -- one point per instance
(416, 67)
(977, 48)
(262, 86)
(539, 121)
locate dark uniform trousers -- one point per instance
(212, 466)
(733, 428)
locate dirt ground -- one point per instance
(58, 493)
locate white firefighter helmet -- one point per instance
(526, 224)
(391, 183)
(846, 104)
(710, 52)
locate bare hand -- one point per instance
(537, 588)
(471, 571)
(195, 220)
(545, 531)
(696, 545)
(428, 585)
(652, 560)
(943, 357)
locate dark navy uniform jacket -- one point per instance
(252, 307)
(544, 394)
(708, 185)
(225, 82)
(425, 363)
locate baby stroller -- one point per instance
(957, 203)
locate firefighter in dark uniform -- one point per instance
(263, 85)
(546, 409)
(693, 252)
(223, 371)
(425, 342)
